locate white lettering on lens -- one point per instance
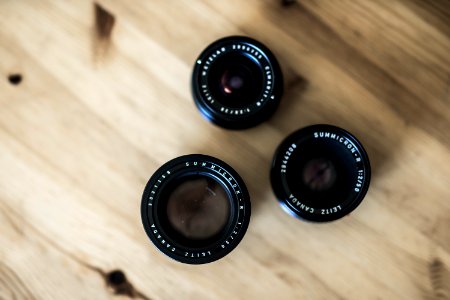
(331, 210)
(287, 155)
(300, 205)
(349, 145)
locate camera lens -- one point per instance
(237, 82)
(320, 173)
(195, 209)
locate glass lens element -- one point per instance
(235, 80)
(319, 174)
(198, 208)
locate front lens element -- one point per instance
(235, 81)
(198, 208)
(319, 174)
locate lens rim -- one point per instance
(259, 110)
(291, 202)
(234, 230)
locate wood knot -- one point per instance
(286, 3)
(440, 279)
(118, 282)
(115, 278)
(295, 82)
(104, 24)
(15, 79)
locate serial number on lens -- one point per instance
(286, 157)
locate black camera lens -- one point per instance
(320, 173)
(195, 209)
(237, 82)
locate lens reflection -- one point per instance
(319, 174)
(198, 208)
(232, 81)
(235, 80)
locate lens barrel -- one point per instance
(195, 209)
(320, 173)
(237, 82)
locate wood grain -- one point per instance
(101, 104)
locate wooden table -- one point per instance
(93, 103)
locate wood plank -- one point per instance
(90, 121)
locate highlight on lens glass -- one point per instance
(237, 82)
(320, 173)
(195, 209)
